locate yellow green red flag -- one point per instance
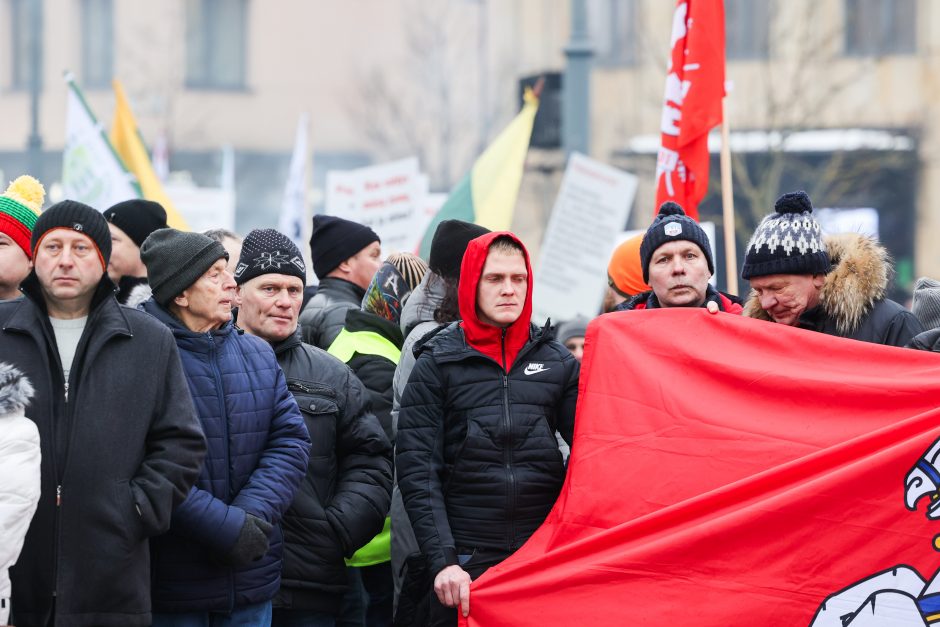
(487, 195)
(126, 140)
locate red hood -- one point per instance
(486, 338)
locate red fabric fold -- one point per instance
(726, 471)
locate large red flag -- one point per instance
(695, 85)
(729, 471)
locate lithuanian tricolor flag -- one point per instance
(487, 195)
(127, 143)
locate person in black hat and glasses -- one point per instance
(345, 255)
(130, 222)
(120, 442)
(834, 285)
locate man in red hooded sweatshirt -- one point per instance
(477, 460)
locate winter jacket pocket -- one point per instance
(132, 525)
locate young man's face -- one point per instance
(14, 266)
(502, 289)
(364, 264)
(786, 296)
(207, 303)
(69, 269)
(270, 306)
(679, 274)
(125, 256)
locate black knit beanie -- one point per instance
(449, 244)
(176, 259)
(266, 251)
(334, 240)
(71, 214)
(137, 217)
(788, 241)
(669, 225)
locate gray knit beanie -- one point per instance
(176, 259)
(926, 302)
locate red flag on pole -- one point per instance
(728, 471)
(695, 85)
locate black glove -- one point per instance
(252, 541)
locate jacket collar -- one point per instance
(290, 342)
(423, 302)
(341, 288)
(182, 333)
(358, 320)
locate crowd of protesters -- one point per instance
(192, 435)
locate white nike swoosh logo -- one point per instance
(530, 369)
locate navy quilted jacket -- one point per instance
(258, 450)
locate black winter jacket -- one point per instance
(478, 463)
(324, 316)
(121, 448)
(343, 500)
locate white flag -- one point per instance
(294, 208)
(92, 173)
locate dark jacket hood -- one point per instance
(484, 337)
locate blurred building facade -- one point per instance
(838, 97)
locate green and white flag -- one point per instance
(92, 172)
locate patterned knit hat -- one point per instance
(19, 208)
(266, 251)
(672, 224)
(391, 285)
(788, 241)
(926, 302)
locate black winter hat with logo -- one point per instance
(672, 224)
(79, 217)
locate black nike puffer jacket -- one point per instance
(497, 475)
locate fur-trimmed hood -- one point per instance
(15, 390)
(859, 279)
(139, 294)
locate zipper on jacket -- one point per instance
(66, 391)
(224, 420)
(508, 460)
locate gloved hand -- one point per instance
(252, 541)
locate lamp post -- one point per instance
(34, 143)
(576, 114)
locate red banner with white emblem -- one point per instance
(730, 471)
(695, 85)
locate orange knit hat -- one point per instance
(624, 272)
